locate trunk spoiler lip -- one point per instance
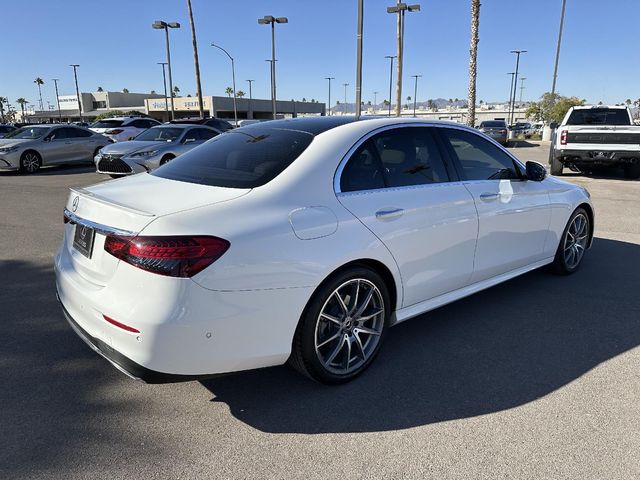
(107, 201)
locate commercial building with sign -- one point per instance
(222, 107)
(93, 104)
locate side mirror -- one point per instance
(535, 171)
(553, 125)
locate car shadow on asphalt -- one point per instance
(72, 169)
(496, 350)
(522, 144)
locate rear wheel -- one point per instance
(342, 327)
(556, 165)
(573, 243)
(632, 171)
(30, 162)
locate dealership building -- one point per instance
(93, 104)
(222, 107)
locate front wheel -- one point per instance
(30, 162)
(573, 243)
(342, 327)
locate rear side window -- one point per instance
(238, 159)
(599, 116)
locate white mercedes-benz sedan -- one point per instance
(304, 240)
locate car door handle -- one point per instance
(389, 214)
(487, 197)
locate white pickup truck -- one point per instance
(598, 136)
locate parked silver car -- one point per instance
(496, 129)
(30, 147)
(152, 148)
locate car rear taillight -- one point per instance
(563, 137)
(115, 131)
(173, 256)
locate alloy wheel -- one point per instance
(349, 326)
(575, 240)
(31, 162)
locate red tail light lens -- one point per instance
(175, 256)
(118, 324)
(563, 137)
(115, 131)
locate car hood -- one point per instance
(126, 148)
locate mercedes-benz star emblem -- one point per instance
(76, 201)
(83, 232)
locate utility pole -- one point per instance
(160, 25)
(390, 57)
(345, 85)
(164, 81)
(271, 20)
(555, 68)
(510, 95)
(196, 62)
(522, 79)
(329, 79)
(515, 83)
(415, 93)
(375, 101)
(359, 60)
(75, 75)
(250, 99)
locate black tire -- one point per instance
(561, 265)
(30, 162)
(307, 359)
(632, 172)
(556, 165)
(166, 159)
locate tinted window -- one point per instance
(60, 133)
(204, 133)
(494, 124)
(238, 159)
(363, 170)
(107, 124)
(140, 124)
(221, 125)
(27, 133)
(410, 156)
(77, 133)
(160, 134)
(479, 158)
(599, 116)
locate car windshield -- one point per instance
(107, 124)
(28, 133)
(496, 123)
(160, 134)
(599, 116)
(244, 158)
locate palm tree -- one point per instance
(3, 100)
(22, 102)
(100, 89)
(176, 91)
(473, 60)
(153, 92)
(125, 90)
(196, 62)
(38, 81)
(229, 91)
(240, 94)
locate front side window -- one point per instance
(479, 158)
(238, 159)
(77, 133)
(395, 158)
(204, 133)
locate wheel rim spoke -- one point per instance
(575, 241)
(343, 306)
(336, 351)
(364, 305)
(331, 318)
(329, 340)
(368, 331)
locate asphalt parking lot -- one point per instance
(535, 378)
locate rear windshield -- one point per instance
(244, 158)
(107, 124)
(495, 123)
(599, 116)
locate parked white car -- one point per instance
(304, 240)
(120, 129)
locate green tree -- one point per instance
(240, 94)
(38, 81)
(176, 91)
(100, 89)
(22, 102)
(125, 90)
(552, 107)
(229, 91)
(3, 100)
(408, 98)
(153, 92)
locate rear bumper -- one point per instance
(123, 363)
(596, 157)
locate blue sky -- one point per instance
(117, 48)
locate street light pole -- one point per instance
(159, 25)
(515, 83)
(375, 101)
(233, 75)
(359, 59)
(415, 93)
(75, 76)
(555, 68)
(250, 99)
(329, 79)
(55, 82)
(510, 95)
(522, 79)
(345, 85)
(399, 9)
(164, 82)
(271, 20)
(390, 57)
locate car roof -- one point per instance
(589, 107)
